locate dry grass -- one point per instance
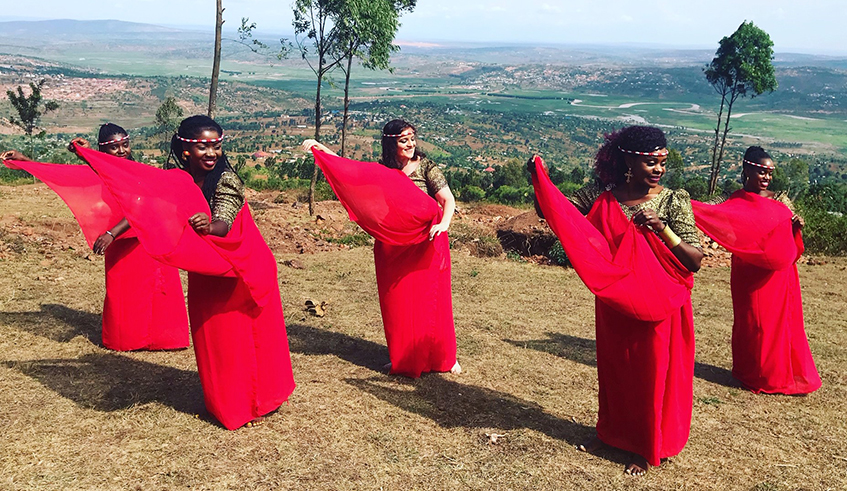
(76, 416)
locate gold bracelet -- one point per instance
(671, 239)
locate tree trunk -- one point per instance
(314, 180)
(715, 167)
(216, 64)
(713, 179)
(346, 103)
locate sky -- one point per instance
(811, 26)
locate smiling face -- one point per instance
(119, 148)
(202, 157)
(406, 144)
(757, 179)
(647, 169)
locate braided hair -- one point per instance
(191, 128)
(610, 165)
(389, 143)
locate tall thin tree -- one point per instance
(216, 63)
(316, 20)
(741, 66)
(367, 31)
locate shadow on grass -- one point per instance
(312, 341)
(111, 382)
(57, 322)
(584, 351)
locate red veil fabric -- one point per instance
(412, 273)
(770, 352)
(644, 322)
(144, 306)
(233, 292)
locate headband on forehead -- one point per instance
(655, 153)
(116, 140)
(399, 134)
(203, 140)
(758, 164)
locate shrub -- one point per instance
(472, 193)
(557, 255)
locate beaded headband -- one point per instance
(204, 140)
(758, 164)
(116, 140)
(398, 135)
(655, 153)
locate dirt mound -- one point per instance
(491, 210)
(526, 234)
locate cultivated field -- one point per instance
(76, 416)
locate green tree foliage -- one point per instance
(30, 109)
(675, 170)
(792, 177)
(167, 120)
(742, 66)
(512, 174)
(697, 187)
(472, 193)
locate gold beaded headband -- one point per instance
(758, 164)
(655, 153)
(116, 140)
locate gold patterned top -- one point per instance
(428, 177)
(673, 207)
(228, 198)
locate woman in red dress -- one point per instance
(144, 306)
(636, 252)
(406, 205)
(770, 352)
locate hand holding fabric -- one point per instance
(648, 218)
(200, 223)
(103, 242)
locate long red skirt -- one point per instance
(144, 306)
(770, 352)
(645, 372)
(242, 350)
(415, 299)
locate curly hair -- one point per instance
(389, 143)
(609, 164)
(193, 127)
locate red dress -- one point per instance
(770, 352)
(144, 306)
(644, 324)
(233, 290)
(412, 272)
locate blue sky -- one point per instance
(814, 26)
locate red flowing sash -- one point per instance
(754, 228)
(79, 187)
(383, 201)
(619, 262)
(157, 203)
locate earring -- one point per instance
(186, 153)
(628, 175)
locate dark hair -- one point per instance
(108, 131)
(192, 127)
(389, 143)
(609, 164)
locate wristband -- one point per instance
(113, 235)
(671, 239)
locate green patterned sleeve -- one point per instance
(782, 197)
(584, 197)
(435, 180)
(228, 199)
(681, 218)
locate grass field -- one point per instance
(77, 416)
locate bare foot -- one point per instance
(256, 422)
(638, 467)
(591, 445)
(457, 369)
